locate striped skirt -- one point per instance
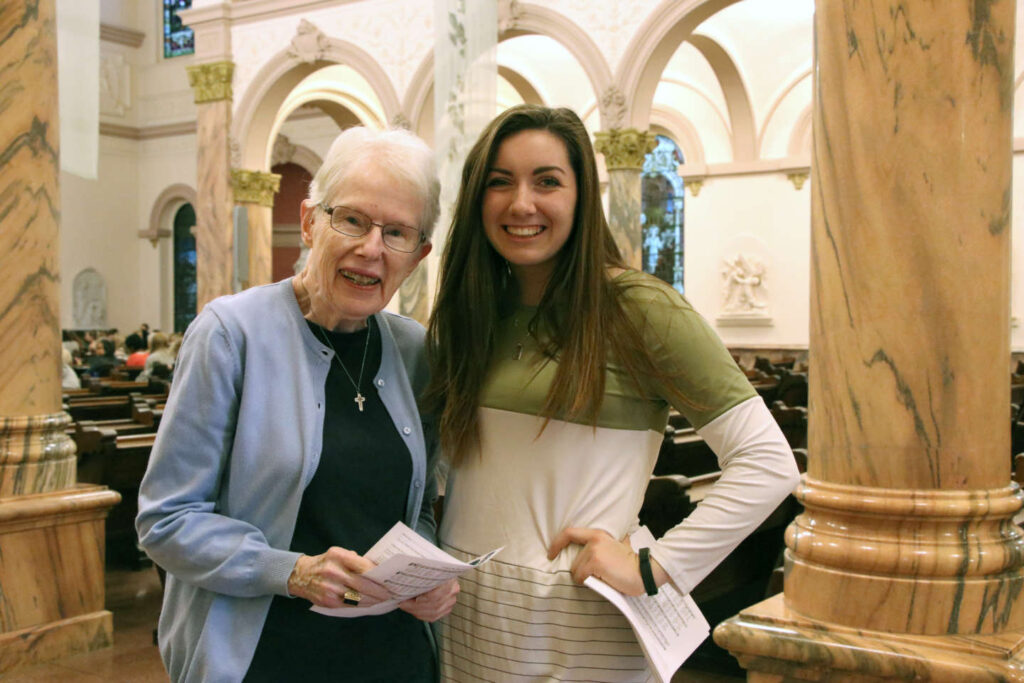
(515, 623)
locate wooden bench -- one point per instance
(119, 462)
(99, 408)
(792, 420)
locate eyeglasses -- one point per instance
(357, 224)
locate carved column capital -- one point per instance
(798, 178)
(624, 148)
(254, 187)
(211, 82)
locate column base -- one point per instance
(56, 640)
(51, 575)
(775, 644)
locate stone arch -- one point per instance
(737, 98)
(800, 138)
(165, 206)
(777, 102)
(682, 130)
(521, 85)
(530, 19)
(652, 47)
(161, 225)
(285, 151)
(417, 104)
(258, 107)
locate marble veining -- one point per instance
(624, 214)
(29, 211)
(260, 244)
(214, 203)
(905, 563)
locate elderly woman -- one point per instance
(291, 442)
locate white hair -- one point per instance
(396, 151)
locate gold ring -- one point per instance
(351, 597)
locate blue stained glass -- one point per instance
(185, 290)
(178, 38)
(661, 213)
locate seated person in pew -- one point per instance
(101, 360)
(68, 376)
(291, 442)
(136, 349)
(160, 353)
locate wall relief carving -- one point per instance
(744, 294)
(89, 300)
(613, 107)
(309, 44)
(115, 85)
(284, 151)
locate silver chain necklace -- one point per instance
(359, 399)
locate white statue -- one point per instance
(744, 284)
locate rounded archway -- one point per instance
(260, 108)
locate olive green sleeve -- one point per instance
(689, 354)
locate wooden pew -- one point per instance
(99, 408)
(792, 388)
(684, 452)
(120, 464)
(792, 420)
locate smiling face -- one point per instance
(350, 278)
(528, 206)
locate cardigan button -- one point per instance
(417, 484)
(380, 383)
(406, 431)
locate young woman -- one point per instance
(554, 367)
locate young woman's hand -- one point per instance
(614, 562)
(434, 604)
(324, 579)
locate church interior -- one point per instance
(830, 183)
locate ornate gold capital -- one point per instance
(254, 187)
(624, 148)
(211, 82)
(798, 178)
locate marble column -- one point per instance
(624, 150)
(211, 84)
(51, 531)
(906, 563)
(255, 191)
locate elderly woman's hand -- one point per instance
(434, 604)
(324, 579)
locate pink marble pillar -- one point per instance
(214, 199)
(51, 531)
(906, 563)
(255, 191)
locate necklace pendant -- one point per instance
(518, 353)
(359, 399)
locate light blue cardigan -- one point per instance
(239, 441)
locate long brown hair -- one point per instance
(580, 309)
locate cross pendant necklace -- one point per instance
(359, 399)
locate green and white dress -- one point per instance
(521, 617)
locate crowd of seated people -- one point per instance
(140, 355)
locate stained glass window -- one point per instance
(178, 38)
(662, 213)
(184, 267)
